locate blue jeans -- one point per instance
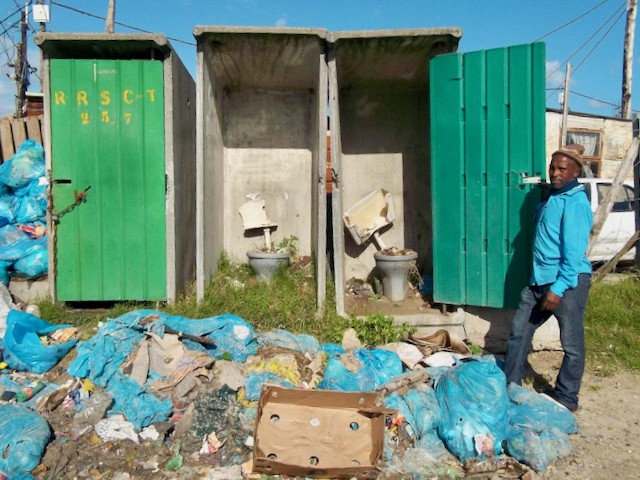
(570, 315)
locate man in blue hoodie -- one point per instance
(561, 277)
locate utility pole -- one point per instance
(111, 16)
(565, 106)
(21, 66)
(627, 64)
(42, 29)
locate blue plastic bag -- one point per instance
(27, 164)
(23, 349)
(8, 204)
(4, 271)
(377, 367)
(537, 412)
(538, 428)
(254, 381)
(12, 243)
(537, 449)
(33, 264)
(301, 343)
(137, 405)
(474, 404)
(100, 358)
(23, 437)
(29, 209)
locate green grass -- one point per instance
(612, 319)
(612, 326)
(287, 302)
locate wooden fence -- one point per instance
(14, 131)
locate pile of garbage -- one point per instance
(23, 206)
(198, 397)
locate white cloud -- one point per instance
(598, 104)
(554, 73)
(281, 22)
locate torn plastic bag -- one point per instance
(361, 370)
(101, 357)
(532, 410)
(27, 164)
(4, 271)
(254, 381)
(232, 334)
(474, 404)
(537, 449)
(137, 405)
(23, 437)
(538, 428)
(23, 349)
(33, 264)
(305, 344)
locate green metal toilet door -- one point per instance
(487, 158)
(107, 141)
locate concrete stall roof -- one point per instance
(121, 46)
(267, 58)
(390, 56)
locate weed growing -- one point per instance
(287, 302)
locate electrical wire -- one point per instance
(117, 23)
(10, 15)
(599, 41)
(584, 44)
(620, 11)
(571, 21)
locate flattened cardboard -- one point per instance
(318, 433)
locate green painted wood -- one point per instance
(448, 191)
(497, 100)
(107, 132)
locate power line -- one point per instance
(584, 44)
(571, 21)
(589, 97)
(10, 15)
(117, 23)
(599, 41)
(621, 12)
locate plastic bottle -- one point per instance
(29, 391)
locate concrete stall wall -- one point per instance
(379, 91)
(180, 114)
(616, 137)
(261, 123)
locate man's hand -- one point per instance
(550, 301)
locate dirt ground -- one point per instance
(607, 444)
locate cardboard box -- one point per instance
(319, 433)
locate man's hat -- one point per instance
(573, 151)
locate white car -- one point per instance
(620, 224)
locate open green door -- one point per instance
(107, 134)
(487, 158)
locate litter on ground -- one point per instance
(213, 398)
